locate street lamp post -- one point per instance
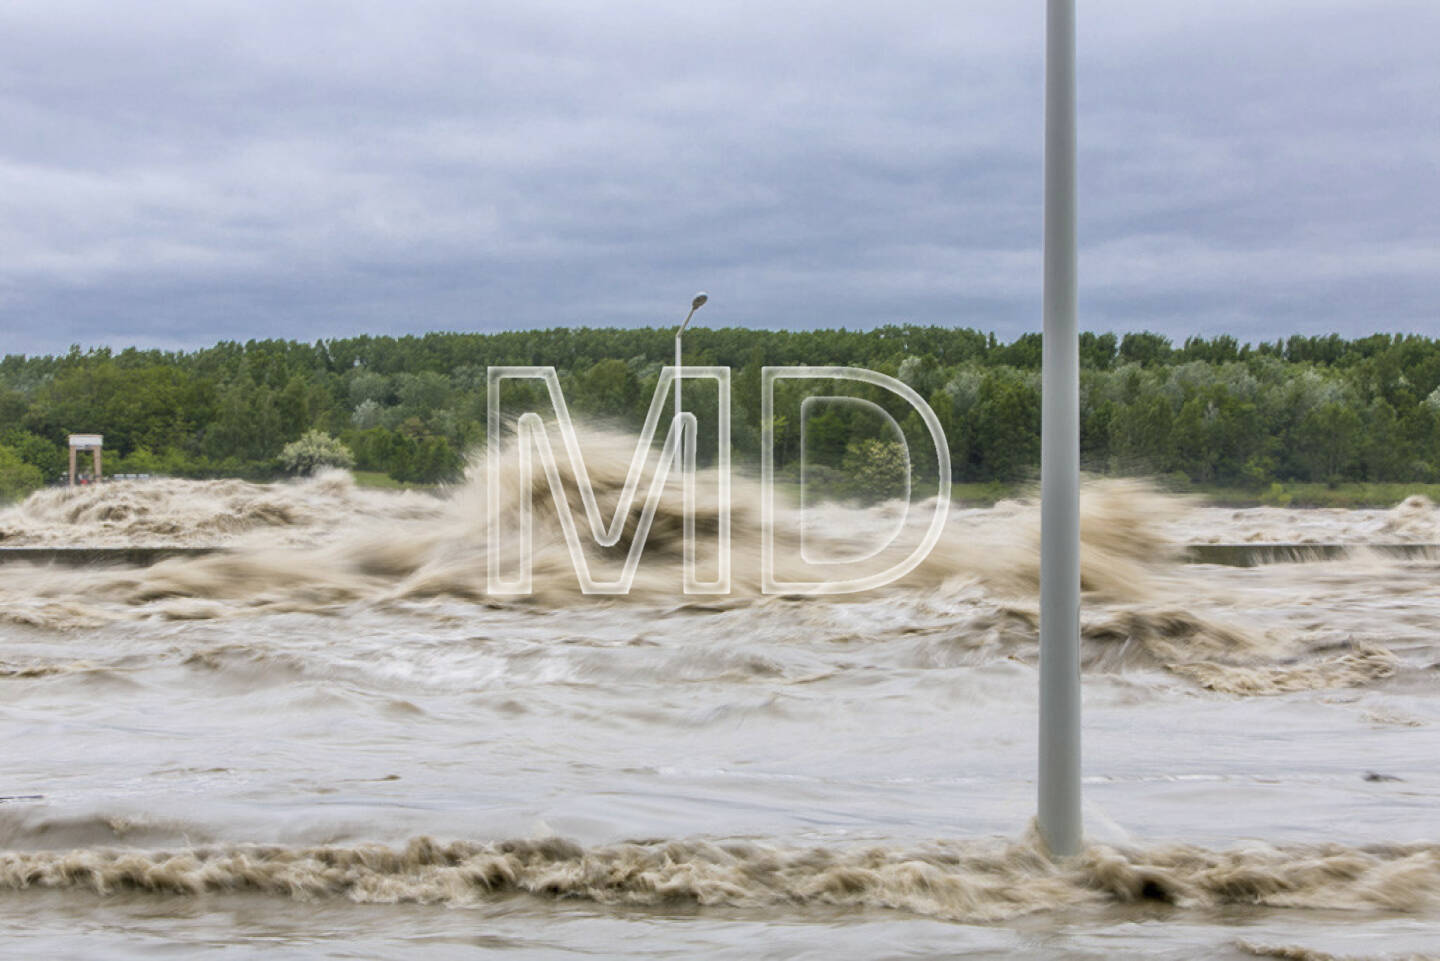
(695, 305)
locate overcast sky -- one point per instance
(172, 174)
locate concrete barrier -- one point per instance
(87, 556)
(1228, 555)
(1253, 555)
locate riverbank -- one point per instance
(1355, 495)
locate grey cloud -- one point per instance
(175, 174)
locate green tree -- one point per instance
(1007, 426)
(1329, 438)
(247, 425)
(1145, 348)
(1382, 455)
(1143, 435)
(608, 389)
(17, 478)
(292, 406)
(875, 469)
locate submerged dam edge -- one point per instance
(1225, 555)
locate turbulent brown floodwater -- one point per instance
(331, 739)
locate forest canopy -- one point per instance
(1212, 411)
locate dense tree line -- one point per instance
(1209, 410)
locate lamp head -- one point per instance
(699, 300)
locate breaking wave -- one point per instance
(961, 881)
(1295, 952)
(165, 512)
(323, 546)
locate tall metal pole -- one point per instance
(1059, 780)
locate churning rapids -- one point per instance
(330, 736)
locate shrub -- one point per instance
(314, 450)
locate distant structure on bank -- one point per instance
(92, 443)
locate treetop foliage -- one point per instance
(1210, 409)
